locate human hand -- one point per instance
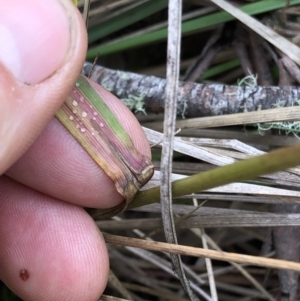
(51, 248)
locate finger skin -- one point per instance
(50, 250)
(26, 109)
(58, 166)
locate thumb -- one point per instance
(42, 49)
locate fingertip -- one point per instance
(50, 250)
(26, 109)
(37, 37)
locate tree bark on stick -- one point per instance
(147, 93)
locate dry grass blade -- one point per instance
(110, 7)
(199, 252)
(173, 61)
(256, 284)
(290, 49)
(190, 149)
(86, 10)
(151, 292)
(211, 278)
(114, 282)
(271, 115)
(116, 11)
(111, 298)
(207, 217)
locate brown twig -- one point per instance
(147, 93)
